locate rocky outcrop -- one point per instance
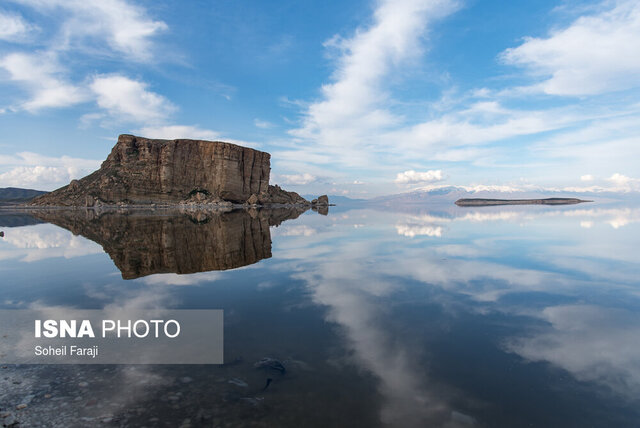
(145, 171)
(141, 243)
(322, 200)
(277, 195)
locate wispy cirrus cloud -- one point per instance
(352, 107)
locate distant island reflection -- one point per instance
(142, 243)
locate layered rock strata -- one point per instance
(142, 171)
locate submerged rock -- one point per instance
(268, 363)
(238, 382)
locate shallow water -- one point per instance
(441, 316)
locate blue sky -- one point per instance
(358, 98)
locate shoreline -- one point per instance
(190, 206)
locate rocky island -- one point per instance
(143, 171)
(479, 202)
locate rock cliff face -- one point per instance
(142, 244)
(143, 171)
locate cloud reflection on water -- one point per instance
(359, 280)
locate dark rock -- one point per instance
(277, 195)
(322, 200)
(268, 363)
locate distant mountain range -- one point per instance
(15, 194)
(449, 194)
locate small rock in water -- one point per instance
(238, 382)
(254, 401)
(21, 406)
(10, 421)
(268, 363)
(269, 380)
(83, 384)
(461, 418)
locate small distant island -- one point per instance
(480, 202)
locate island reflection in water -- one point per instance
(142, 243)
(440, 316)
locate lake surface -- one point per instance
(419, 316)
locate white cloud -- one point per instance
(43, 77)
(594, 54)
(129, 100)
(353, 105)
(173, 132)
(359, 122)
(263, 124)
(587, 177)
(95, 28)
(300, 179)
(32, 170)
(125, 27)
(624, 182)
(412, 176)
(14, 28)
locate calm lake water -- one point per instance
(443, 316)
